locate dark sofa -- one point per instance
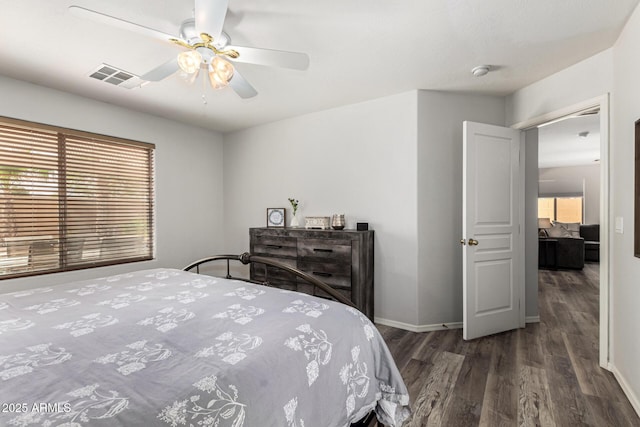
(566, 249)
(591, 235)
(561, 252)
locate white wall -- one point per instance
(188, 162)
(440, 117)
(359, 160)
(571, 180)
(587, 79)
(625, 291)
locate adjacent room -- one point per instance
(230, 212)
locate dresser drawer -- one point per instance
(266, 272)
(343, 259)
(335, 250)
(277, 246)
(282, 284)
(333, 274)
(309, 289)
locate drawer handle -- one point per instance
(274, 247)
(322, 274)
(322, 250)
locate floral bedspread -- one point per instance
(165, 347)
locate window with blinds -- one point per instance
(561, 209)
(71, 200)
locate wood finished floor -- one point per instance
(544, 375)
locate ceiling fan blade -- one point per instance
(117, 22)
(273, 58)
(210, 15)
(162, 71)
(242, 87)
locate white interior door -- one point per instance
(493, 245)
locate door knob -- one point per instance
(463, 242)
(473, 242)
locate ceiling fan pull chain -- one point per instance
(204, 86)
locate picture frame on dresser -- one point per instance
(276, 217)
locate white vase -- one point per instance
(294, 221)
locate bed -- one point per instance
(167, 347)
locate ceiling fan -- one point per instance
(207, 46)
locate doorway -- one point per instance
(601, 105)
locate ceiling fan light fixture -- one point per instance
(220, 72)
(190, 61)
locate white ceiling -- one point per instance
(560, 145)
(358, 50)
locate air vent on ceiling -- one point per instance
(116, 77)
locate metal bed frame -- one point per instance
(247, 258)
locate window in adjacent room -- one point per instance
(561, 209)
(546, 208)
(72, 200)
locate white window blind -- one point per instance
(71, 200)
(562, 209)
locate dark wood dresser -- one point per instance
(343, 259)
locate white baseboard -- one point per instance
(633, 399)
(532, 319)
(435, 326)
(418, 328)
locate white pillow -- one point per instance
(558, 231)
(572, 227)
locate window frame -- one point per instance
(146, 205)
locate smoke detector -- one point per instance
(480, 70)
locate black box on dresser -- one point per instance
(343, 259)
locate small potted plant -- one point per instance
(294, 207)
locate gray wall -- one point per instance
(395, 162)
(531, 224)
(574, 179)
(359, 160)
(188, 173)
(613, 71)
(440, 117)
